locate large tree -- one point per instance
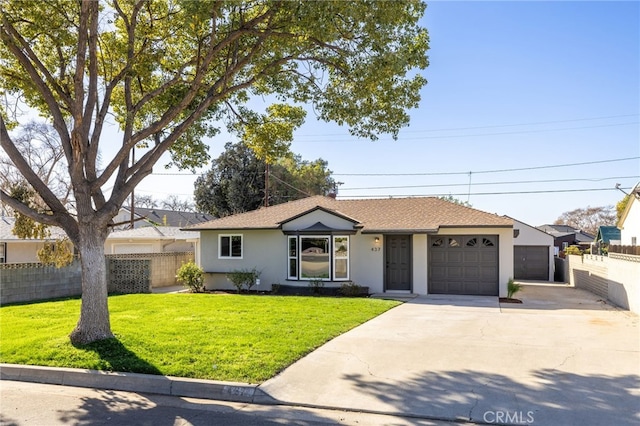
(236, 181)
(588, 219)
(172, 72)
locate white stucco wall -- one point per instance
(137, 246)
(631, 226)
(367, 259)
(23, 251)
(530, 236)
(265, 250)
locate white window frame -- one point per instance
(3, 252)
(335, 257)
(294, 257)
(230, 256)
(332, 257)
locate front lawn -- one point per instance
(238, 338)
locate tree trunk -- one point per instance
(94, 321)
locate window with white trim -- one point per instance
(292, 258)
(3, 252)
(230, 246)
(318, 257)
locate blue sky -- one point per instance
(512, 85)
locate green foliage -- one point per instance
(350, 289)
(236, 181)
(191, 276)
(452, 199)
(512, 288)
(621, 206)
(172, 73)
(243, 279)
(217, 337)
(58, 253)
(316, 285)
(573, 250)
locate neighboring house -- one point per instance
(605, 236)
(629, 223)
(533, 253)
(18, 250)
(565, 236)
(157, 217)
(410, 245)
(151, 239)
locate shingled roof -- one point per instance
(160, 217)
(419, 214)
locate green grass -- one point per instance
(221, 337)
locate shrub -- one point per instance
(275, 288)
(191, 276)
(316, 285)
(573, 250)
(513, 288)
(243, 278)
(350, 289)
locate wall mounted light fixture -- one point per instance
(377, 239)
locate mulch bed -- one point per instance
(509, 300)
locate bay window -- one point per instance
(318, 257)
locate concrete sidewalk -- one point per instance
(561, 357)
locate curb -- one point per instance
(135, 382)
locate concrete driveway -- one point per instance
(561, 357)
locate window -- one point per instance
(486, 242)
(340, 258)
(453, 242)
(318, 258)
(230, 247)
(293, 258)
(3, 252)
(314, 258)
(473, 242)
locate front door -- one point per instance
(398, 262)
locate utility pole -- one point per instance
(266, 185)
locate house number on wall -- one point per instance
(375, 248)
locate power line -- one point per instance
(489, 171)
(491, 183)
(538, 123)
(485, 193)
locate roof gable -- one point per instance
(634, 198)
(607, 233)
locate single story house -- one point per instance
(629, 223)
(406, 245)
(151, 239)
(565, 236)
(605, 236)
(533, 253)
(144, 217)
(19, 250)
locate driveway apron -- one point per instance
(561, 357)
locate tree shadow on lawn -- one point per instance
(548, 397)
(116, 357)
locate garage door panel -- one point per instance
(463, 264)
(471, 256)
(531, 262)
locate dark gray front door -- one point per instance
(531, 263)
(398, 262)
(463, 264)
